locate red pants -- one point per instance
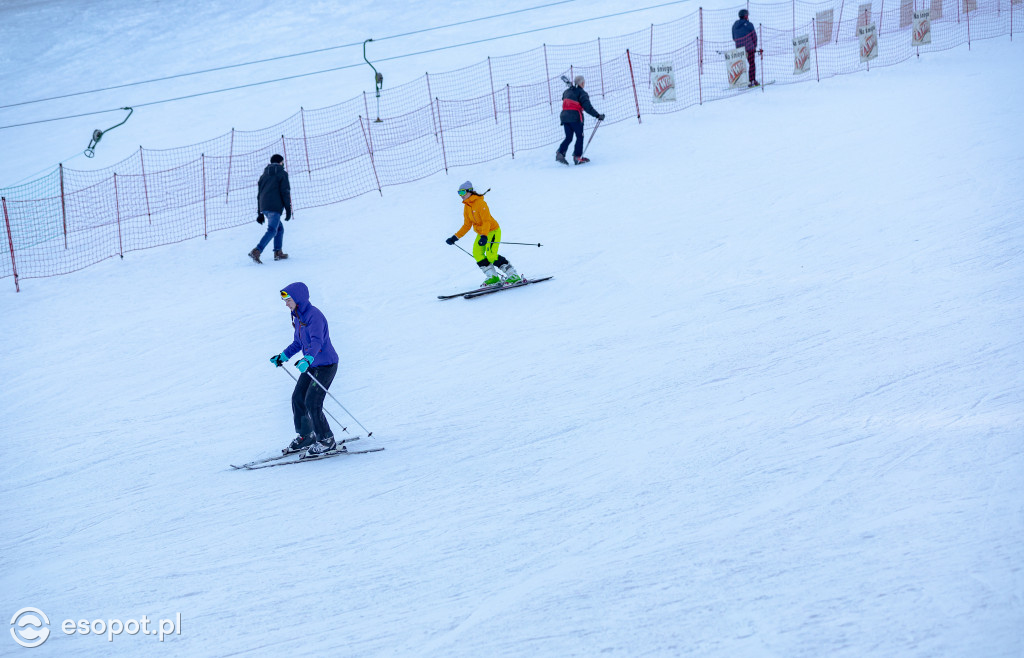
(751, 66)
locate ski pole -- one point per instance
(528, 244)
(592, 132)
(343, 428)
(368, 432)
(465, 252)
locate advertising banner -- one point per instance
(801, 54)
(736, 63)
(868, 42)
(906, 13)
(922, 34)
(863, 17)
(823, 22)
(663, 82)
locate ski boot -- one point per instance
(279, 255)
(754, 83)
(509, 275)
(493, 278)
(255, 255)
(581, 160)
(298, 444)
(322, 447)
(560, 157)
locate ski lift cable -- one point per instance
(347, 66)
(282, 57)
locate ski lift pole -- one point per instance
(97, 135)
(377, 78)
(592, 133)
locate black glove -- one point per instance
(600, 117)
(260, 218)
(287, 214)
(482, 241)
(451, 240)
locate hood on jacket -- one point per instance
(299, 292)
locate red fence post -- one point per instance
(700, 43)
(202, 159)
(305, 143)
(508, 94)
(967, 10)
(10, 244)
(547, 82)
(600, 61)
(700, 76)
(63, 207)
(369, 151)
(493, 101)
(817, 72)
(440, 129)
(633, 80)
(231, 152)
(117, 209)
(145, 188)
(839, 25)
(760, 39)
(650, 58)
(430, 98)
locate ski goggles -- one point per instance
(464, 192)
(285, 296)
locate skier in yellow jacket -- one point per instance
(477, 215)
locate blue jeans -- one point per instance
(275, 230)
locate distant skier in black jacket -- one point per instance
(575, 102)
(745, 36)
(274, 197)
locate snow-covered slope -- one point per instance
(769, 405)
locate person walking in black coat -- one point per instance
(745, 36)
(274, 197)
(575, 102)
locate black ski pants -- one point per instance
(308, 401)
(572, 128)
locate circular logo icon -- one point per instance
(28, 629)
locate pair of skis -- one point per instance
(277, 460)
(489, 290)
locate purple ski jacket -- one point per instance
(311, 333)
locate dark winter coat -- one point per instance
(311, 333)
(575, 101)
(275, 192)
(744, 34)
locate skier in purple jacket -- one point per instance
(319, 360)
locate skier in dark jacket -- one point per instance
(319, 360)
(274, 197)
(575, 102)
(745, 36)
